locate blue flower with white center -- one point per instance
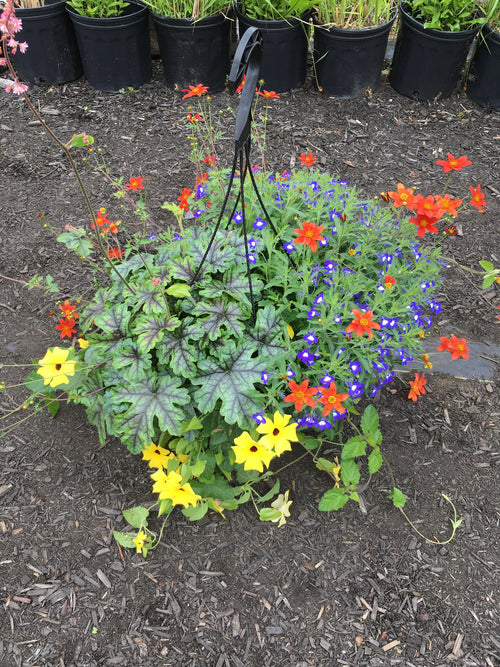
(323, 243)
(389, 322)
(310, 338)
(425, 285)
(334, 215)
(385, 258)
(330, 266)
(259, 417)
(386, 379)
(152, 236)
(404, 356)
(356, 367)
(201, 191)
(340, 352)
(252, 259)
(379, 367)
(314, 185)
(323, 424)
(259, 224)
(306, 356)
(238, 217)
(356, 389)
(415, 250)
(319, 299)
(337, 319)
(384, 352)
(264, 377)
(327, 379)
(347, 271)
(375, 390)
(290, 374)
(435, 306)
(252, 244)
(289, 247)
(313, 313)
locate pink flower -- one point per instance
(23, 47)
(17, 88)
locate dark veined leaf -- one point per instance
(220, 314)
(133, 263)
(133, 363)
(97, 307)
(369, 421)
(230, 379)
(333, 499)
(234, 284)
(150, 401)
(220, 256)
(114, 321)
(97, 408)
(268, 332)
(176, 350)
(183, 270)
(151, 300)
(150, 330)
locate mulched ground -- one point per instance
(357, 587)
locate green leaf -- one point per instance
(125, 539)
(52, 403)
(220, 489)
(271, 493)
(326, 465)
(80, 140)
(196, 512)
(234, 284)
(230, 379)
(220, 256)
(177, 350)
(369, 420)
(150, 299)
(311, 443)
(193, 424)
(153, 404)
(150, 330)
(220, 314)
(350, 472)
(179, 290)
(397, 497)
(488, 280)
(375, 461)
(487, 266)
(198, 468)
(137, 517)
(267, 334)
(77, 240)
(114, 321)
(135, 364)
(355, 446)
(269, 514)
(333, 499)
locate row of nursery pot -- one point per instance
(350, 42)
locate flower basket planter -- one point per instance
(284, 51)
(115, 51)
(194, 51)
(483, 81)
(349, 62)
(52, 55)
(427, 63)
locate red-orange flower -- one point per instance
(448, 205)
(424, 224)
(135, 183)
(362, 323)
(458, 348)
(308, 159)
(478, 199)
(452, 230)
(417, 387)
(240, 87)
(115, 253)
(185, 194)
(427, 206)
(453, 164)
(309, 235)
(331, 400)
(389, 281)
(403, 197)
(210, 160)
(194, 118)
(194, 91)
(270, 94)
(66, 326)
(68, 310)
(301, 394)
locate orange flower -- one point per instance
(389, 281)
(331, 400)
(270, 94)
(135, 183)
(424, 224)
(362, 323)
(308, 159)
(301, 394)
(417, 387)
(478, 199)
(453, 164)
(202, 179)
(309, 235)
(403, 197)
(185, 194)
(66, 326)
(194, 91)
(115, 253)
(458, 348)
(194, 118)
(425, 359)
(428, 207)
(210, 160)
(68, 310)
(240, 87)
(448, 205)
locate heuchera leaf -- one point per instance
(230, 379)
(150, 329)
(220, 314)
(114, 321)
(176, 351)
(151, 300)
(233, 284)
(134, 363)
(268, 332)
(150, 402)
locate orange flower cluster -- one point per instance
(104, 223)
(67, 323)
(417, 387)
(301, 394)
(455, 346)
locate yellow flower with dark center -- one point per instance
(277, 433)
(158, 457)
(140, 541)
(252, 454)
(169, 487)
(55, 367)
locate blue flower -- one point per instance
(327, 379)
(330, 265)
(379, 367)
(201, 191)
(313, 313)
(259, 417)
(252, 244)
(289, 247)
(356, 389)
(435, 306)
(389, 322)
(315, 186)
(152, 236)
(310, 338)
(334, 214)
(238, 217)
(259, 224)
(319, 299)
(323, 424)
(264, 377)
(356, 367)
(290, 374)
(306, 356)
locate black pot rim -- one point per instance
(190, 23)
(354, 32)
(268, 24)
(433, 31)
(44, 10)
(138, 9)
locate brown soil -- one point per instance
(357, 587)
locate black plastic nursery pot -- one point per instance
(349, 62)
(194, 50)
(284, 51)
(483, 81)
(52, 55)
(427, 63)
(115, 51)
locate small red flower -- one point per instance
(240, 87)
(454, 164)
(68, 310)
(66, 326)
(417, 387)
(194, 91)
(331, 400)
(424, 224)
(427, 206)
(185, 194)
(452, 230)
(194, 118)
(135, 183)
(115, 253)
(458, 348)
(308, 159)
(478, 199)
(210, 160)
(301, 394)
(448, 205)
(362, 323)
(403, 197)
(309, 235)
(269, 94)
(389, 281)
